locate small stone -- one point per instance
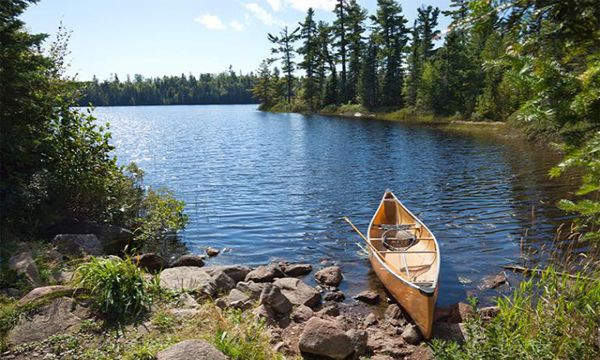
(302, 314)
(264, 273)
(322, 338)
(211, 251)
(271, 296)
(189, 260)
(370, 320)
(151, 262)
(329, 310)
(336, 296)
(294, 270)
(411, 334)
(191, 349)
(369, 297)
(331, 276)
(394, 315)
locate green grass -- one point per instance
(115, 286)
(550, 317)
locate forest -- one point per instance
(224, 88)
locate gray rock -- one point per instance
(302, 313)
(223, 281)
(60, 316)
(191, 350)
(298, 292)
(24, 265)
(296, 269)
(323, 338)
(237, 299)
(394, 315)
(369, 297)
(493, 282)
(370, 320)
(266, 313)
(150, 262)
(45, 292)
(329, 310)
(114, 239)
(64, 276)
(411, 334)
(265, 273)
(187, 301)
(184, 314)
(236, 272)
(77, 245)
(330, 276)
(251, 288)
(188, 278)
(211, 251)
(336, 296)
(360, 339)
(189, 260)
(272, 297)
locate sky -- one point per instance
(171, 37)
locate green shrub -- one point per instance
(116, 287)
(551, 317)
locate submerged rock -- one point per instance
(189, 260)
(323, 338)
(211, 251)
(330, 276)
(191, 349)
(493, 282)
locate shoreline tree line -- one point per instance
(227, 87)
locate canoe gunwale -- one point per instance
(429, 290)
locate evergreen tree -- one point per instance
(284, 46)
(328, 85)
(391, 35)
(368, 77)
(356, 16)
(340, 30)
(310, 51)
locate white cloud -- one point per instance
(263, 15)
(303, 5)
(237, 26)
(275, 4)
(210, 22)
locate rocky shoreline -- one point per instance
(300, 320)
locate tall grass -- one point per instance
(553, 316)
(115, 286)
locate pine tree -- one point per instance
(262, 90)
(368, 77)
(328, 85)
(310, 51)
(391, 35)
(355, 24)
(284, 46)
(340, 32)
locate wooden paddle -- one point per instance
(373, 248)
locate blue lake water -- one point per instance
(274, 186)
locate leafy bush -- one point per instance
(116, 287)
(553, 317)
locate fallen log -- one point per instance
(529, 271)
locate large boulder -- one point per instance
(44, 293)
(191, 350)
(24, 265)
(150, 262)
(265, 273)
(114, 239)
(272, 297)
(190, 278)
(60, 316)
(323, 338)
(330, 276)
(189, 260)
(298, 292)
(236, 272)
(77, 245)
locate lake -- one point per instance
(274, 186)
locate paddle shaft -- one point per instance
(373, 248)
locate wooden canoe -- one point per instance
(406, 259)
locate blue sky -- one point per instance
(170, 37)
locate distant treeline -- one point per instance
(224, 88)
